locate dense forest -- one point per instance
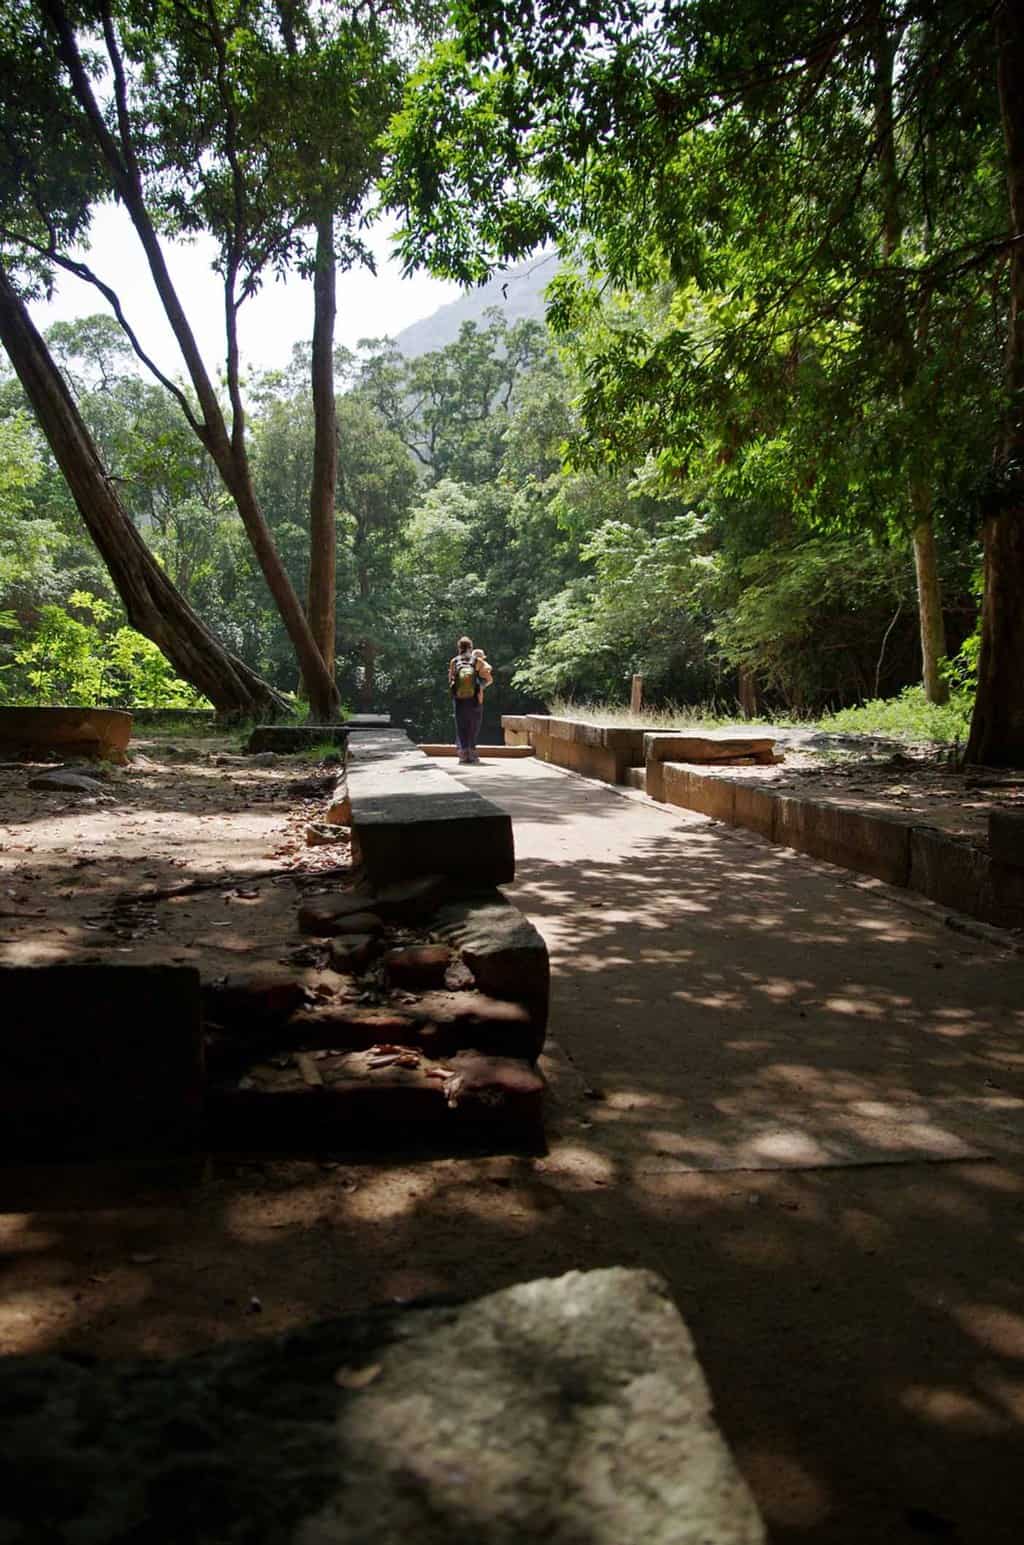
(765, 450)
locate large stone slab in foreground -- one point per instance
(571, 1411)
(411, 818)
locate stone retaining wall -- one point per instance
(602, 751)
(890, 847)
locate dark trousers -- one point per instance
(468, 713)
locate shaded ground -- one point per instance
(797, 1098)
(191, 854)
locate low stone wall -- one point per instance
(600, 751)
(958, 875)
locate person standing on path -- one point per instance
(468, 675)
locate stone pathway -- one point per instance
(734, 1006)
(767, 1078)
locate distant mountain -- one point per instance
(516, 293)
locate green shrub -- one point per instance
(909, 716)
(81, 660)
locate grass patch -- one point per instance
(907, 717)
(672, 716)
(323, 751)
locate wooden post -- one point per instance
(636, 696)
(748, 693)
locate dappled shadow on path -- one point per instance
(861, 1321)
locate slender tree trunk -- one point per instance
(929, 597)
(368, 686)
(997, 728)
(322, 528)
(153, 605)
(929, 589)
(228, 451)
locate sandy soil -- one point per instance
(799, 1099)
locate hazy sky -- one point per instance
(280, 315)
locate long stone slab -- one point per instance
(410, 818)
(98, 1061)
(603, 751)
(568, 1410)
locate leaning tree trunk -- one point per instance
(153, 605)
(997, 728)
(227, 450)
(322, 528)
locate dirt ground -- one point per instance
(796, 1096)
(918, 783)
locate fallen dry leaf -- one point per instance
(357, 1378)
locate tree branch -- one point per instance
(84, 272)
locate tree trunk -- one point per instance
(228, 451)
(929, 598)
(368, 685)
(997, 728)
(153, 606)
(929, 590)
(322, 528)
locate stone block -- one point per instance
(326, 916)
(286, 739)
(417, 965)
(261, 997)
(473, 1020)
(1006, 838)
(504, 951)
(854, 839)
(568, 1410)
(692, 790)
(636, 778)
(411, 818)
(87, 732)
(706, 748)
(964, 878)
(99, 1060)
(353, 951)
(754, 808)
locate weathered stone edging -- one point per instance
(893, 848)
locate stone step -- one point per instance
(380, 1098)
(489, 752)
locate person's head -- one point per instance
(465, 645)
